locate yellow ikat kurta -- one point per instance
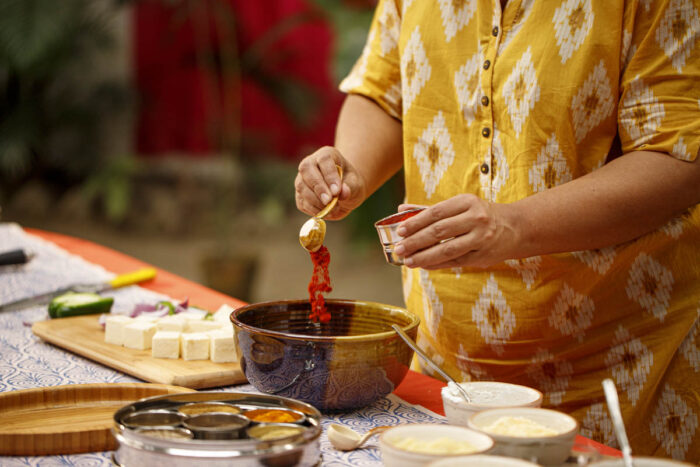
(506, 104)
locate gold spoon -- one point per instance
(313, 231)
(346, 439)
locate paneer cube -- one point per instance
(171, 323)
(139, 335)
(166, 344)
(202, 325)
(114, 328)
(194, 346)
(223, 346)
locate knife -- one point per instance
(122, 280)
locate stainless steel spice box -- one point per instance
(145, 439)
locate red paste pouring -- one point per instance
(320, 283)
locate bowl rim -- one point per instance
(619, 462)
(398, 217)
(513, 411)
(233, 317)
(472, 405)
(484, 456)
(383, 442)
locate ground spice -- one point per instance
(320, 283)
(272, 415)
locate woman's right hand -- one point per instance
(318, 181)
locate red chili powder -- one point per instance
(320, 283)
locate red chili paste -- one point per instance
(320, 283)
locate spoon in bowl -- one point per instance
(616, 415)
(346, 439)
(407, 339)
(313, 231)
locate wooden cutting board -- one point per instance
(67, 419)
(84, 336)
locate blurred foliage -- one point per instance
(381, 203)
(50, 105)
(350, 21)
(298, 99)
(274, 181)
(112, 185)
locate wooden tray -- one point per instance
(84, 336)
(67, 419)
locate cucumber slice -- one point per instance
(75, 304)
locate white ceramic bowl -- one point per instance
(482, 461)
(642, 462)
(547, 450)
(393, 456)
(486, 395)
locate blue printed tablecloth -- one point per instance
(28, 362)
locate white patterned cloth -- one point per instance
(28, 362)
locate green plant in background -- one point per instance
(351, 23)
(51, 105)
(112, 184)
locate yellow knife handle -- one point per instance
(133, 278)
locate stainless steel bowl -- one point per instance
(388, 237)
(137, 448)
(217, 425)
(152, 418)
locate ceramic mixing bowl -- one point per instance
(347, 363)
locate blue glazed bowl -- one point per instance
(345, 364)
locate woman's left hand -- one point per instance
(462, 231)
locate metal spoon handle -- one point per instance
(618, 423)
(329, 207)
(407, 339)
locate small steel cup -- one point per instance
(217, 425)
(152, 418)
(166, 432)
(196, 408)
(386, 228)
(274, 431)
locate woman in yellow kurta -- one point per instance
(555, 143)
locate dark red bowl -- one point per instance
(345, 364)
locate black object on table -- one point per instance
(18, 256)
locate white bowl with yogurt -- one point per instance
(419, 444)
(539, 435)
(485, 395)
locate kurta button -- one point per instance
(494, 31)
(487, 64)
(485, 101)
(486, 132)
(484, 168)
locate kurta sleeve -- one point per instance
(377, 73)
(659, 108)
